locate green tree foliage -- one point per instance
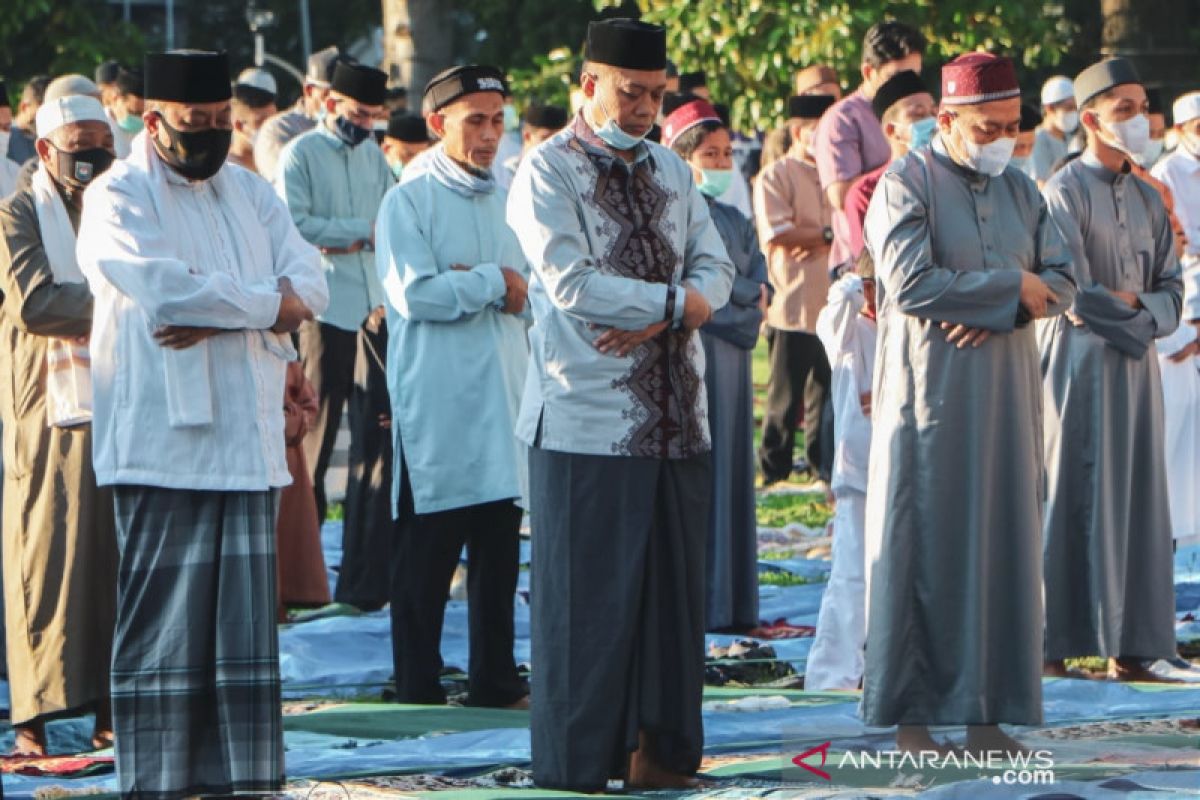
(60, 36)
(751, 48)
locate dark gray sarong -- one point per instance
(617, 613)
(195, 677)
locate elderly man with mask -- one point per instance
(966, 257)
(199, 276)
(60, 551)
(627, 265)
(333, 179)
(1109, 588)
(457, 364)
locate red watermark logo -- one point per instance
(823, 749)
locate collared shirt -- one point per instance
(858, 200)
(333, 191)
(849, 143)
(787, 196)
(275, 134)
(220, 271)
(609, 241)
(456, 363)
(20, 146)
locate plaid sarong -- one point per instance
(195, 675)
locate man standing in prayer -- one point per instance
(850, 142)
(333, 179)
(1060, 124)
(105, 78)
(60, 551)
(794, 229)
(966, 257)
(22, 130)
(1109, 588)
(406, 137)
(280, 129)
(627, 265)
(906, 112)
(253, 105)
(457, 316)
(1031, 120)
(126, 109)
(199, 276)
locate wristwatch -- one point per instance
(828, 234)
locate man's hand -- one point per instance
(515, 290)
(622, 343)
(292, 311)
(1035, 295)
(1075, 319)
(1190, 351)
(375, 319)
(181, 337)
(864, 402)
(696, 310)
(962, 336)
(763, 302)
(1128, 298)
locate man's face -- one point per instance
(314, 98)
(1025, 142)
(1189, 136)
(247, 120)
(73, 138)
(471, 127)
(803, 131)
(188, 118)
(128, 105)
(360, 114)
(715, 152)
(631, 97)
(874, 77)
(913, 108)
(1119, 104)
(1056, 114)
(983, 123)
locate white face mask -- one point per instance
(1068, 121)
(1190, 145)
(988, 159)
(1129, 136)
(1151, 154)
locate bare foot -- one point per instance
(644, 773)
(31, 739)
(102, 739)
(916, 739)
(983, 739)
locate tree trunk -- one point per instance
(418, 42)
(1154, 34)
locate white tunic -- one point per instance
(158, 250)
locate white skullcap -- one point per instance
(257, 79)
(1056, 90)
(68, 110)
(1186, 108)
(67, 85)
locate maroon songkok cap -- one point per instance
(686, 117)
(979, 78)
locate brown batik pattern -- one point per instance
(662, 383)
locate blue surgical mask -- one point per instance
(715, 182)
(398, 169)
(351, 134)
(1151, 154)
(131, 123)
(920, 133)
(1020, 162)
(611, 134)
(511, 121)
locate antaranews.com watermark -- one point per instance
(1035, 768)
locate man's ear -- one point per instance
(889, 130)
(437, 123)
(43, 149)
(587, 84)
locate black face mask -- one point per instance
(351, 134)
(196, 155)
(77, 169)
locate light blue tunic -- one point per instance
(456, 364)
(333, 192)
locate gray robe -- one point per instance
(1108, 567)
(728, 339)
(954, 496)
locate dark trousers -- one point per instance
(426, 552)
(364, 580)
(328, 353)
(795, 358)
(617, 612)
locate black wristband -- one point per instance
(670, 317)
